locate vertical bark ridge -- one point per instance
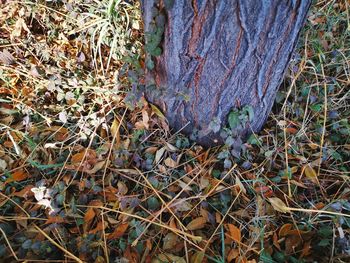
(222, 54)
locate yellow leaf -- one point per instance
(197, 223)
(157, 111)
(197, 257)
(115, 130)
(278, 205)
(310, 173)
(234, 232)
(167, 257)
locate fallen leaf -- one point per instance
(167, 257)
(284, 230)
(170, 162)
(159, 154)
(234, 232)
(85, 154)
(197, 257)
(119, 231)
(6, 57)
(310, 173)
(54, 219)
(240, 185)
(115, 130)
(17, 176)
(291, 130)
(100, 226)
(89, 215)
(122, 188)
(232, 254)
(157, 111)
(169, 241)
(197, 223)
(171, 148)
(25, 192)
(98, 166)
(278, 204)
(292, 243)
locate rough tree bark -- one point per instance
(220, 55)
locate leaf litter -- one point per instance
(88, 176)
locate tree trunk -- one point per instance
(218, 56)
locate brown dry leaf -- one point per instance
(170, 162)
(169, 241)
(241, 259)
(310, 173)
(203, 183)
(78, 157)
(89, 215)
(17, 176)
(197, 223)
(98, 166)
(184, 186)
(167, 257)
(284, 230)
(62, 134)
(232, 254)
(119, 231)
(292, 243)
(291, 130)
(159, 154)
(197, 257)
(204, 213)
(172, 223)
(234, 232)
(25, 192)
(151, 149)
(278, 204)
(100, 226)
(275, 241)
(54, 219)
(145, 119)
(306, 249)
(122, 188)
(171, 148)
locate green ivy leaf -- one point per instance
(168, 4)
(233, 119)
(153, 203)
(149, 63)
(156, 52)
(249, 109)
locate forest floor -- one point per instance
(87, 175)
